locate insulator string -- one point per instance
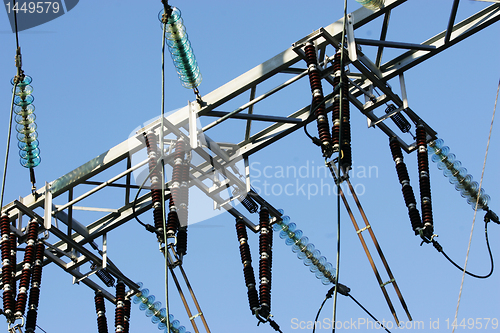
(248, 272)
(306, 251)
(29, 260)
(424, 182)
(318, 99)
(102, 325)
(7, 268)
(265, 263)
(35, 288)
(120, 310)
(404, 180)
(156, 312)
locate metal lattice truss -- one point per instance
(215, 171)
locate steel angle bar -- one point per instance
(396, 45)
(255, 100)
(180, 118)
(284, 60)
(224, 204)
(383, 35)
(94, 209)
(75, 225)
(211, 163)
(114, 220)
(258, 117)
(462, 30)
(125, 186)
(451, 21)
(250, 111)
(87, 255)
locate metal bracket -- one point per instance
(193, 130)
(351, 42)
(363, 229)
(48, 207)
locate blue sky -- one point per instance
(96, 77)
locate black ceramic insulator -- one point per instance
(395, 148)
(99, 303)
(407, 190)
(424, 181)
(39, 251)
(408, 195)
(34, 296)
(249, 204)
(182, 241)
(152, 150)
(253, 298)
(415, 219)
(402, 172)
(151, 144)
(102, 325)
(119, 319)
(241, 232)
(249, 275)
(31, 320)
(265, 300)
(345, 147)
(13, 249)
(126, 324)
(29, 259)
(13, 261)
(6, 254)
(105, 277)
(178, 160)
(183, 200)
(265, 242)
(246, 259)
(119, 313)
(8, 303)
(35, 288)
(336, 101)
(172, 222)
(33, 230)
(156, 196)
(37, 274)
(317, 91)
(22, 296)
(158, 218)
(4, 225)
(7, 276)
(6, 269)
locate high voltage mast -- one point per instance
(211, 165)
